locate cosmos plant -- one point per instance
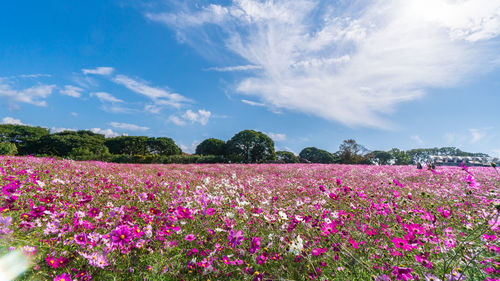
(102, 221)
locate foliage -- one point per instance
(63, 143)
(211, 146)
(380, 157)
(400, 157)
(24, 137)
(350, 153)
(286, 157)
(316, 155)
(7, 148)
(250, 147)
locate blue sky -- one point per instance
(406, 74)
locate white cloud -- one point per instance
(177, 121)
(103, 70)
(71, 91)
(201, 117)
(161, 97)
(417, 139)
(106, 97)
(35, 95)
(189, 149)
(478, 134)
(495, 153)
(74, 114)
(58, 129)
(12, 121)
(252, 103)
(235, 68)
(345, 63)
(127, 126)
(276, 136)
(106, 132)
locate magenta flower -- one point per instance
(190, 237)
(80, 239)
(210, 211)
(261, 259)
(94, 212)
(318, 251)
(63, 277)
(121, 236)
(235, 238)
(52, 261)
(255, 245)
(322, 188)
(402, 273)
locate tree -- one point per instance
(7, 148)
(24, 137)
(400, 157)
(380, 157)
(63, 143)
(129, 145)
(316, 155)
(250, 147)
(211, 146)
(348, 151)
(162, 146)
(286, 157)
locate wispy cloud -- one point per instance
(102, 70)
(161, 97)
(71, 91)
(341, 60)
(128, 126)
(252, 103)
(235, 68)
(478, 134)
(12, 121)
(35, 95)
(177, 120)
(201, 116)
(417, 139)
(106, 97)
(277, 137)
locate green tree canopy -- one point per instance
(24, 137)
(63, 143)
(250, 147)
(129, 145)
(316, 155)
(162, 146)
(381, 157)
(211, 146)
(287, 157)
(8, 148)
(400, 157)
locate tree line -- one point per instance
(247, 146)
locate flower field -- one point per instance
(100, 221)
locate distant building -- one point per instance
(467, 160)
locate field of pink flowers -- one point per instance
(100, 221)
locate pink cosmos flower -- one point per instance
(318, 251)
(63, 277)
(210, 211)
(80, 239)
(235, 238)
(190, 237)
(255, 245)
(121, 236)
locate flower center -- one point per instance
(122, 236)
